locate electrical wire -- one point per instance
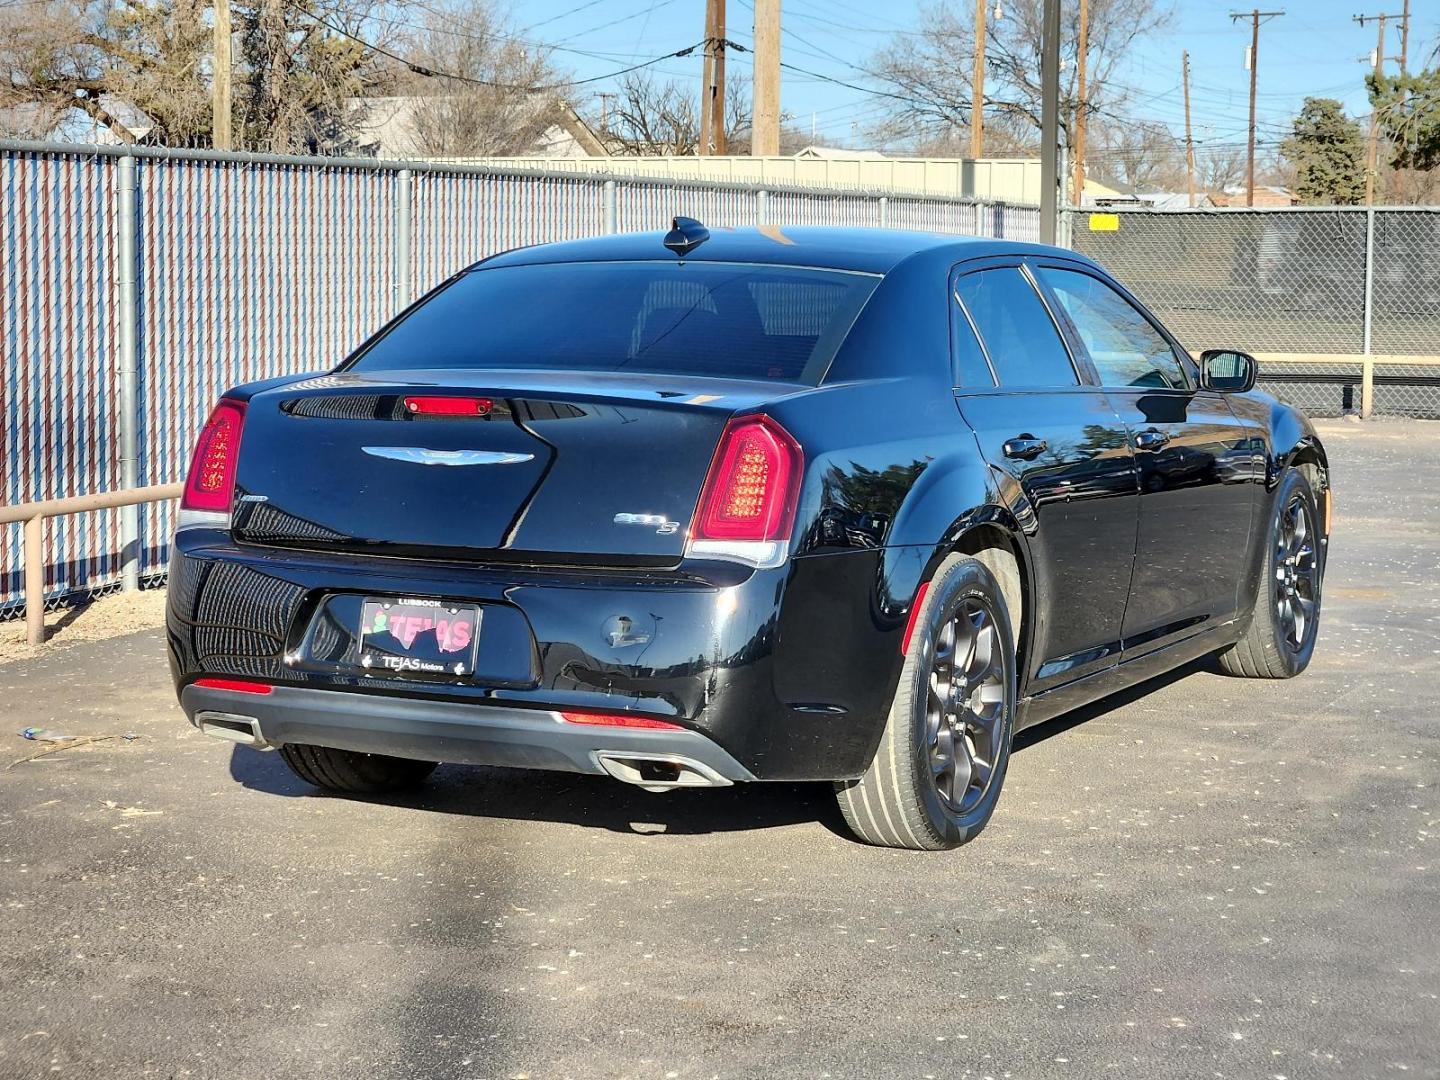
(422, 69)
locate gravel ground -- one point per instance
(107, 617)
(1217, 878)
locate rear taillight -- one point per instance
(210, 483)
(747, 506)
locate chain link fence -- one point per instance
(1330, 300)
(160, 278)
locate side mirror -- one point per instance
(1227, 370)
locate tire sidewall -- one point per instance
(955, 583)
(1295, 662)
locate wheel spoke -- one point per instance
(983, 659)
(966, 704)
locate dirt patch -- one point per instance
(110, 616)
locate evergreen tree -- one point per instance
(1328, 152)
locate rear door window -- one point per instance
(1022, 341)
(1124, 346)
(730, 320)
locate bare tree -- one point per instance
(663, 118)
(1220, 166)
(52, 58)
(506, 100)
(1142, 155)
(932, 68)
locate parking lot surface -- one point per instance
(1218, 878)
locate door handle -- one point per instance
(1025, 447)
(1151, 440)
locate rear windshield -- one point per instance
(733, 320)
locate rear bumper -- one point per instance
(786, 672)
(449, 731)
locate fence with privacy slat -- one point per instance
(250, 266)
(1332, 300)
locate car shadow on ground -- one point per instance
(600, 802)
(590, 801)
(1063, 723)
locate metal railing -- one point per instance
(33, 517)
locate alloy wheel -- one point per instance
(1297, 574)
(965, 705)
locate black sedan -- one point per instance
(692, 509)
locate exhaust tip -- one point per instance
(243, 730)
(658, 772)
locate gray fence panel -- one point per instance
(1272, 281)
(59, 392)
(1407, 283)
(460, 218)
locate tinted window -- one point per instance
(1024, 346)
(1125, 348)
(970, 362)
(736, 321)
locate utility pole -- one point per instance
(1405, 40)
(977, 86)
(712, 103)
(765, 127)
(1082, 48)
(220, 78)
(1372, 152)
(1255, 16)
(1049, 120)
(1189, 142)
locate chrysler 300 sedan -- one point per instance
(692, 509)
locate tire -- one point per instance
(351, 772)
(901, 801)
(1270, 647)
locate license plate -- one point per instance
(427, 636)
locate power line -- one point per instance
(429, 72)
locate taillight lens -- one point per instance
(449, 406)
(747, 506)
(210, 484)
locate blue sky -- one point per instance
(1315, 49)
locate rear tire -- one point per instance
(1288, 596)
(936, 776)
(351, 772)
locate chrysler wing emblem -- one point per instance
(418, 455)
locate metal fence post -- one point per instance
(404, 228)
(884, 212)
(35, 580)
(1367, 370)
(611, 220)
(980, 218)
(762, 208)
(127, 318)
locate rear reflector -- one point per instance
(236, 686)
(914, 614)
(617, 720)
(449, 406)
(210, 483)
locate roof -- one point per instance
(875, 251)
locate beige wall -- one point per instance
(1013, 180)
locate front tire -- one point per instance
(351, 772)
(937, 774)
(1280, 639)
